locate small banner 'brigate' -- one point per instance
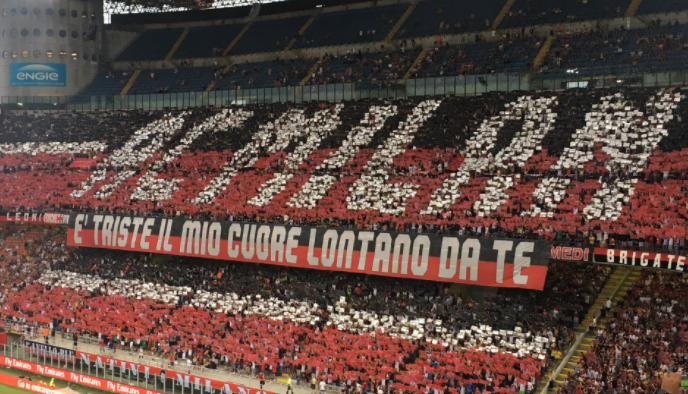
(471, 260)
(664, 261)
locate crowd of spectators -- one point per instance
(276, 73)
(272, 319)
(515, 52)
(537, 12)
(594, 48)
(363, 69)
(111, 126)
(26, 252)
(657, 46)
(570, 289)
(441, 144)
(603, 167)
(645, 340)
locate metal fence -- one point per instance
(104, 371)
(32, 331)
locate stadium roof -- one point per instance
(154, 6)
(178, 11)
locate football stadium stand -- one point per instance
(658, 7)
(356, 26)
(185, 79)
(89, 293)
(544, 164)
(542, 12)
(107, 83)
(206, 41)
(152, 45)
(510, 121)
(641, 343)
(268, 36)
(277, 73)
(620, 51)
(480, 38)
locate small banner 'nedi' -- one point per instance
(471, 260)
(570, 253)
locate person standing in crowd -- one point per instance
(289, 388)
(261, 379)
(608, 307)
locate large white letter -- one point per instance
(521, 261)
(501, 247)
(372, 191)
(314, 130)
(449, 254)
(316, 187)
(470, 259)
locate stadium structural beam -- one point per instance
(225, 70)
(415, 63)
(400, 22)
(177, 44)
(502, 14)
(540, 58)
(130, 83)
(124, 48)
(236, 39)
(305, 79)
(615, 289)
(618, 284)
(632, 8)
(301, 31)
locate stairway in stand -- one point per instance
(619, 283)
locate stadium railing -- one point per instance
(31, 332)
(462, 85)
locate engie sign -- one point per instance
(38, 74)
